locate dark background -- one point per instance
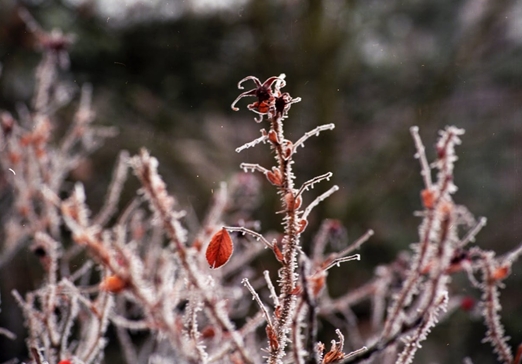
(165, 72)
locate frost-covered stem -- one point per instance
(193, 307)
(84, 115)
(297, 340)
(338, 261)
(329, 306)
(256, 297)
(421, 155)
(310, 184)
(312, 133)
(470, 236)
(114, 192)
(438, 278)
(271, 288)
(318, 200)
(435, 296)
(491, 307)
(97, 343)
(334, 257)
(45, 77)
(290, 241)
(244, 231)
(421, 332)
(161, 203)
(253, 167)
(414, 277)
(441, 193)
(308, 311)
(253, 143)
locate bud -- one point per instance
(272, 136)
(274, 176)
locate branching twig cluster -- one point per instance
(147, 273)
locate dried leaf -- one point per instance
(500, 273)
(220, 249)
(279, 256)
(272, 136)
(113, 284)
(272, 337)
(428, 198)
(301, 225)
(275, 176)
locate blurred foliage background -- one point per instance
(164, 73)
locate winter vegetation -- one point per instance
(137, 274)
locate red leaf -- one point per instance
(220, 249)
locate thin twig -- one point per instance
(311, 133)
(260, 303)
(421, 155)
(318, 200)
(244, 231)
(253, 143)
(310, 183)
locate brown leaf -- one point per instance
(220, 249)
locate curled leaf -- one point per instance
(219, 249)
